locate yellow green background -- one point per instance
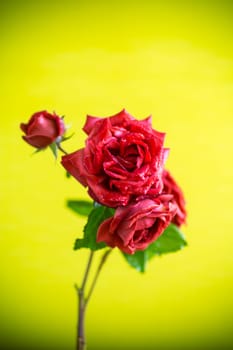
(171, 59)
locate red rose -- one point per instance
(43, 129)
(171, 187)
(123, 158)
(137, 225)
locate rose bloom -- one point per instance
(122, 157)
(137, 225)
(43, 129)
(171, 187)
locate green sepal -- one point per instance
(96, 217)
(80, 207)
(65, 138)
(53, 147)
(37, 150)
(170, 241)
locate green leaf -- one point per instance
(171, 240)
(80, 207)
(95, 218)
(137, 260)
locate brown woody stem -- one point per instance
(81, 342)
(82, 302)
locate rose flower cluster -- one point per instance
(122, 165)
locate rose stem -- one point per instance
(102, 261)
(81, 306)
(82, 302)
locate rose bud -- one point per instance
(171, 187)
(123, 158)
(137, 225)
(43, 129)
